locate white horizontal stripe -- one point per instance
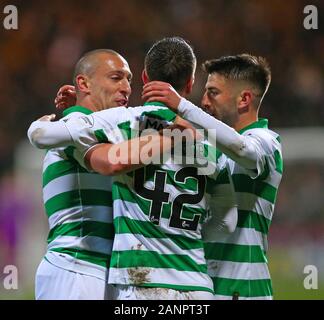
(220, 297)
(123, 242)
(132, 210)
(85, 213)
(53, 156)
(242, 236)
(88, 243)
(251, 202)
(76, 182)
(238, 270)
(274, 178)
(159, 275)
(65, 261)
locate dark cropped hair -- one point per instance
(246, 67)
(86, 64)
(171, 60)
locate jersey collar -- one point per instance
(161, 104)
(76, 109)
(261, 123)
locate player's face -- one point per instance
(110, 83)
(220, 99)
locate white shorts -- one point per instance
(54, 283)
(124, 292)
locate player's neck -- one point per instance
(86, 104)
(183, 93)
(245, 120)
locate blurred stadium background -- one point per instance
(39, 57)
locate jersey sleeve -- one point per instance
(98, 127)
(48, 135)
(266, 146)
(250, 150)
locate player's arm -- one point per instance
(113, 159)
(45, 134)
(77, 131)
(246, 151)
(101, 158)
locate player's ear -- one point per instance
(82, 83)
(189, 85)
(244, 101)
(145, 77)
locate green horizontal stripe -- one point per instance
(85, 255)
(234, 252)
(223, 177)
(250, 219)
(174, 287)
(85, 197)
(83, 229)
(244, 288)
(147, 229)
(59, 169)
(122, 192)
(243, 183)
(152, 259)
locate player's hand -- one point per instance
(49, 117)
(184, 125)
(65, 97)
(162, 92)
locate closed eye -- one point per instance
(212, 93)
(116, 78)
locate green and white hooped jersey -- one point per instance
(237, 262)
(158, 210)
(78, 205)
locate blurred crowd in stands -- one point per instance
(39, 57)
